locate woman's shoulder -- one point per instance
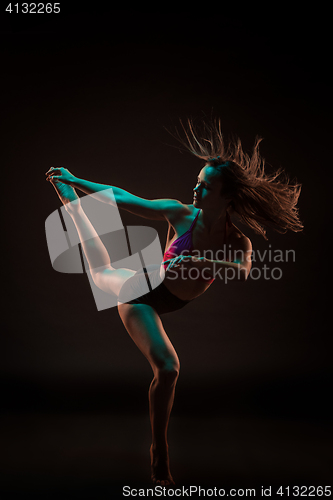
(185, 211)
(182, 217)
(237, 238)
(190, 209)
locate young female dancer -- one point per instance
(230, 181)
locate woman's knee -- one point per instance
(167, 370)
(145, 327)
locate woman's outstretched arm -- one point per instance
(162, 209)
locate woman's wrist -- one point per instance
(75, 182)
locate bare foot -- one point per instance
(160, 471)
(67, 194)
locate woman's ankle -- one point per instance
(160, 449)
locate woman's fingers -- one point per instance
(60, 173)
(53, 169)
(176, 262)
(50, 170)
(172, 263)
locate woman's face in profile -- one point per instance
(207, 192)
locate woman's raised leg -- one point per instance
(103, 274)
(146, 329)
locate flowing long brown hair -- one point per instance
(258, 198)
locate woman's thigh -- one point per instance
(145, 327)
(112, 280)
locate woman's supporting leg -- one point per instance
(146, 329)
(103, 274)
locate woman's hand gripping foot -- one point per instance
(61, 183)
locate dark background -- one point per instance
(93, 90)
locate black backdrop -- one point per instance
(93, 90)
